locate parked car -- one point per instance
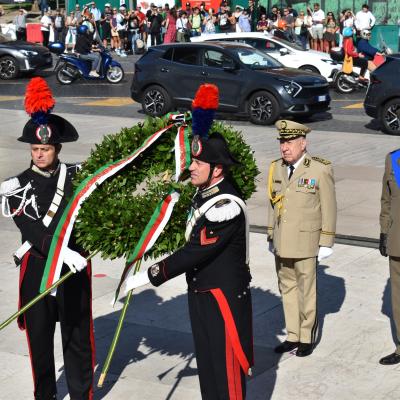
(18, 56)
(289, 54)
(251, 83)
(382, 100)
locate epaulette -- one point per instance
(223, 210)
(9, 186)
(278, 159)
(321, 160)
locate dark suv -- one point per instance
(250, 82)
(382, 100)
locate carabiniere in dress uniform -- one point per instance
(36, 199)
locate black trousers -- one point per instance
(220, 374)
(21, 34)
(46, 36)
(72, 307)
(155, 38)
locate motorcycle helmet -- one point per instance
(82, 30)
(365, 34)
(347, 32)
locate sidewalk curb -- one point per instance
(351, 240)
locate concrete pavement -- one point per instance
(155, 357)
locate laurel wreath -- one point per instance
(113, 218)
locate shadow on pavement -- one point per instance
(140, 340)
(387, 309)
(331, 293)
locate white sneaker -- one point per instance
(123, 54)
(94, 74)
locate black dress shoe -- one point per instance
(285, 347)
(304, 349)
(390, 359)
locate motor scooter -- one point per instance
(348, 83)
(71, 66)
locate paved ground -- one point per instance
(155, 359)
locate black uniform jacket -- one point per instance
(43, 189)
(215, 254)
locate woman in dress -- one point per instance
(330, 32)
(170, 26)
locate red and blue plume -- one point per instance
(204, 107)
(39, 101)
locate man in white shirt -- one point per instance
(96, 15)
(45, 26)
(364, 19)
(317, 30)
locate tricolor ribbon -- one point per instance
(182, 151)
(83, 191)
(152, 231)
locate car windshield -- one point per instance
(293, 45)
(256, 59)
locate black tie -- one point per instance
(291, 169)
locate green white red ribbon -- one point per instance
(182, 151)
(84, 190)
(152, 231)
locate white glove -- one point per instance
(137, 280)
(271, 246)
(74, 260)
(324, 252)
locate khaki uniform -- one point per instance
(301, 218)
(390, 225)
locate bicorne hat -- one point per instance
(44, 127)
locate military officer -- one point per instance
(35, 199)
(216, 265)
(389, 240)
(301, 228)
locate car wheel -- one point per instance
(310, 68)
(390, 117)
(156, 101)
(9, 68)
(263, 108)
(115, 74)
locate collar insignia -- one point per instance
(209, 192)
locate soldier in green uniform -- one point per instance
(389, 240)
(301, 229)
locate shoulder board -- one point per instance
(321, 160)
(223, 210)
(9, 186)
(278, 159)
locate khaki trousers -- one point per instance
(298, 287)
(394, 264)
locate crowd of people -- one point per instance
(314, 28)
(126, 31)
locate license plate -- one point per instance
(322, 98)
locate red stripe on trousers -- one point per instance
(230, 328)
(30, 357)
(232, 371)
(92, 342)
(22, 270)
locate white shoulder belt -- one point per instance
(199, 212)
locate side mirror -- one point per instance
(228, 66)
(284, 51)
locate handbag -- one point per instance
(347, 64)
